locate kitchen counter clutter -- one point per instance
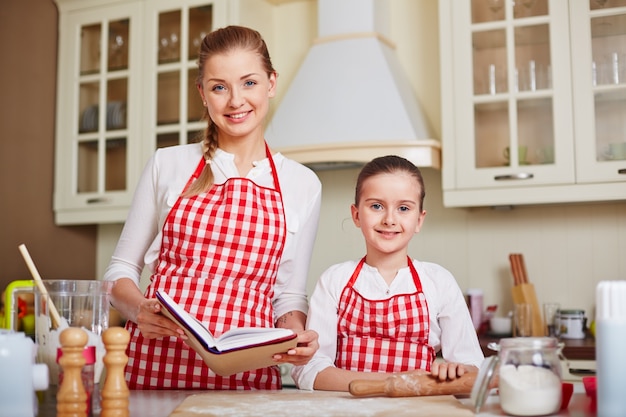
(574, 349)
(290, 402)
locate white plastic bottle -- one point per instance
(610, 348)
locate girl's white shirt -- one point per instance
(451, 328)
(163, 179)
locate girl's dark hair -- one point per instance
(388, 165)
(221, 41)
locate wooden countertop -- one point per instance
(180, 403)
(574, 349)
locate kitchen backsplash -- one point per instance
(567, 248)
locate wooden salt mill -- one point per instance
(115, 392)
(72, 397)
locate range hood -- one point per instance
(350, 100)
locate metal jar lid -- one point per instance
(572, 312)
(480, 389)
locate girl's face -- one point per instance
(389, 213)
(236, 90)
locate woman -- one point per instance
(386, 312)
(225, 227)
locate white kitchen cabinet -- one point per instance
(138, 60)
(533, 101)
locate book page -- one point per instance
(246, 336)
(232, 339)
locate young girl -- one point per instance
(387, 312)
(225, 227)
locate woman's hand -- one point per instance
(303, 352)
(152, 324)
(146, 313)
(450, 370)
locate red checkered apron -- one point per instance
(383, 335)
(219, 259)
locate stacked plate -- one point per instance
(115, 117)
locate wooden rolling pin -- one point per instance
(413, 384)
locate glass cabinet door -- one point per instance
(178, 106)
(515, 49)
(102, 138)
(95, 120)
(103, 95)
(600, 77)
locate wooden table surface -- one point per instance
(180, 403)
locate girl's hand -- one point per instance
(449, 370)
(152, 324)
(303, 352)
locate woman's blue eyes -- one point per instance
(220, 87)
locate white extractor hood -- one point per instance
(350, 100)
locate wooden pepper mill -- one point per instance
(115, 392)
(72, 397)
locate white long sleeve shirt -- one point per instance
(451, 328)
(160, 185)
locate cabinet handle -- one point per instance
(98, 200)
(621, 171)
(510, 177)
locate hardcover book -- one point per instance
(236, 350)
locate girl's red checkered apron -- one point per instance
(388, 335)
(219, 260)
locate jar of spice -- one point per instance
(571, 323)
(528, 371)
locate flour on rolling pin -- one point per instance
(415, 383)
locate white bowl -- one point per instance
(500, 325)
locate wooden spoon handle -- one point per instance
(367, 387)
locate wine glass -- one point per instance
(116, 50)
(495, 5)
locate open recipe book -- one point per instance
(237, 350)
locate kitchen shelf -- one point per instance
(574, 349)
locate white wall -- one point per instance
(567, 248)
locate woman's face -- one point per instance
(389, 212)
(236, 90)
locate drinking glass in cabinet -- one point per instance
(118, 45)
(532, 58)
(90, 49)
(489, 62)
(169, 37)
(200, 23)
(487, 10)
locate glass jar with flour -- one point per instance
(527, 372)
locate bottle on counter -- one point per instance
(475, 305)
(610, 348)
